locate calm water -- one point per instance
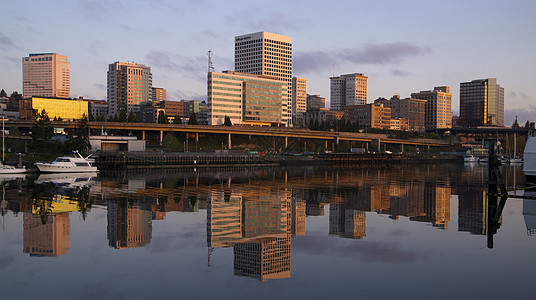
(419, 231)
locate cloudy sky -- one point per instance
(402, 46)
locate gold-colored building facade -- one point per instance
(55, 108)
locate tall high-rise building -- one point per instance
(481, 103)
(265, 53)
(348, 89)
(46, 75)
(299, 99)
(129, 84)
(438, 108)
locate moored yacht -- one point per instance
(7, 169)
(68, 164)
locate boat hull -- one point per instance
(53, 168)
(529, 157)
(12, 170)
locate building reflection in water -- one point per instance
(472, 200)
(49, 238)
(129, 224)
(258, 216)
(258, 223)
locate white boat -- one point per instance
(483, 159)
(516, 160)
(68, 164)
(468, 158)
(7, 169)
(529, 157)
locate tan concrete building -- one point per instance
(323, 115)
(438, 108)
(409, 109)
(349, 89)
(159, 94)
(315, 102)
(46, 75)
(369, 115)
(129, 84)
(266, 53)
(299, 99)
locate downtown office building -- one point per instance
(481, 103)
(348, 89)
(129, 84)
(245, 98)
(46, 75)
(265, 53)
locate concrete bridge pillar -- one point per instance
(229, 142)
(161, 137)
(143, 135)
(286, 142)
(379, 145)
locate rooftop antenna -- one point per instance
(210, 66)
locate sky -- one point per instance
(402, 46)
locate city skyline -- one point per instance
(403, 49)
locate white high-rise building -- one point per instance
(129, 84)
(265, 53)
(349, 89)
(46, 75)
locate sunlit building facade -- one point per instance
(481, 103)
(348, 89)
(299, 99)
(369, 115)
(55, 108)
(159, 94)
(315, 102)
(46, 75)
(246, 99)
(438, 108)
(266, 53)
(129, 84)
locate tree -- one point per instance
(3, 94)
(13, 104)
(132, 117)
(122, 116)
(42, 131)
(101, 119)
(227, 121)
(177, 120)
(527, 125)
(193, 119)
(91, 117)
(78, 139)
(162, 118)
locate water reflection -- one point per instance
(256, 212)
